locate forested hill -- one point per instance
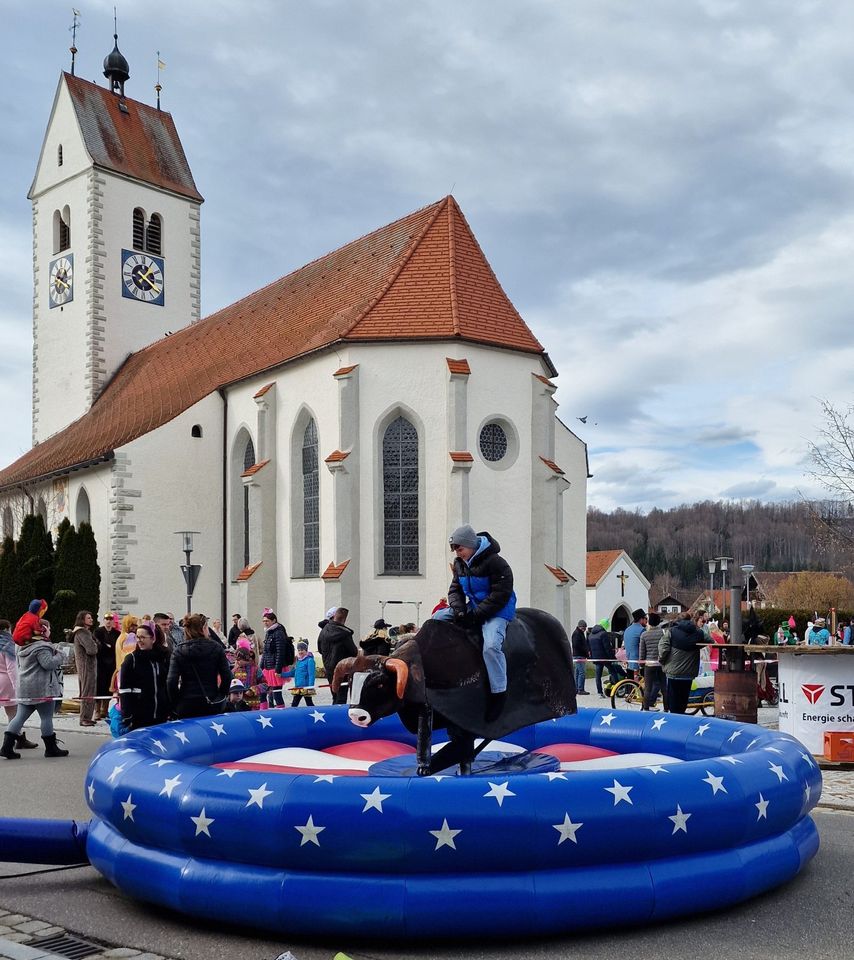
(779, 536)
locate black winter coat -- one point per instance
(142, 687)
(601, 643)
(489, 580)
(278, 651)
(199, 678)
(335, 644)
(580, 646)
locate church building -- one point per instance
(320, 436)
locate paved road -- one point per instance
(808, 918)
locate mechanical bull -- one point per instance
(438, 680)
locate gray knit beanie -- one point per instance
(465, 536)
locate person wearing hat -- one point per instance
(481, 595)
(30, 624)
(631, 639)
(580, 655)
(304, 674)
(819, 636)
(235, 702)
(377, 643)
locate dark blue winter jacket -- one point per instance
(486, 581)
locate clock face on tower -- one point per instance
(142, 277)
(62, 280)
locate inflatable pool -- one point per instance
(663, 815)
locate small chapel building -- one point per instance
(321, 436)
(615, 588)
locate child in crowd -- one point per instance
(30, 624)
(235, 702)
(304, 674)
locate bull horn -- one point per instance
(401, 671)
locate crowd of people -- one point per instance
(138, 671)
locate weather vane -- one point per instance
(160, 66)
(73, 29)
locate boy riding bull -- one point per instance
(481, 595)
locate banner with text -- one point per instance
(816, 694)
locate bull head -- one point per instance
(378, 692)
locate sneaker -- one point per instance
(582, 693)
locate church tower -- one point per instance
(116, 241)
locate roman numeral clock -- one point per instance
(142, 277)
(62, 280)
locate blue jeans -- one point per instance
(26, 710)
(580, 675)
(494, 631)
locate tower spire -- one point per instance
(73, 28)
(116, 68)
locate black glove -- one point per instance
(473, 620)
(460, 616)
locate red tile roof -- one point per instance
(251, 471)
(342, 371)
(598, 562)
(263, 390)
(559, 573)
(461, 456)
(334, 571)
(552, 466)
(545, 380)
(337, 456)
(142, 143)
(393, 284)
(458, 366)
(247, 572)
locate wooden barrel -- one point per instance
(735, 696)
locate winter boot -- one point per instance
(494, 706)
(8, 744)
(51, 749)
(23, 744)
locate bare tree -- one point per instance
(832, 455)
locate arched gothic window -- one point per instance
(248, 461)
(400, 497)
(83, 513)
(59, 155)
(310, 501)
(61, 230)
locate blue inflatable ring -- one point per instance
(509, 855)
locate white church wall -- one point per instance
(570, 453)
(608, 596)
(164, 481)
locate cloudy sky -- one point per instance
(665, 189)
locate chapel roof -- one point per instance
(423, 277)
(598, 562)
(130, 137)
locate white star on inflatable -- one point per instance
(439, 777)
(159, 745)
(680, 820)
(620, 792)
(807, 757)
(732, 737)
(659, 723)
(228, 773)
(716, 783)
(202, 823)
(701, 729)
(775, 750)
(567, 829)
(324, 778)
(731, 760)
(657, 768)
(807, 793)
(318, 717)
(762, 807)
(169, 785)
(374, 801)
(754, 740)
(499, 791)
(116, 771)
(264, 721)
(445, 836)
(554, 775)
(181, 736)
(219, 729)
(607, 719)
(257, 796)
(91, 789)
(129, 806)
(309, 832)
(779, 771)
(126, 750)
(161, 763)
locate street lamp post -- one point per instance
(724, 562)
(713, 565)
(189, 570)
(747, 569)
